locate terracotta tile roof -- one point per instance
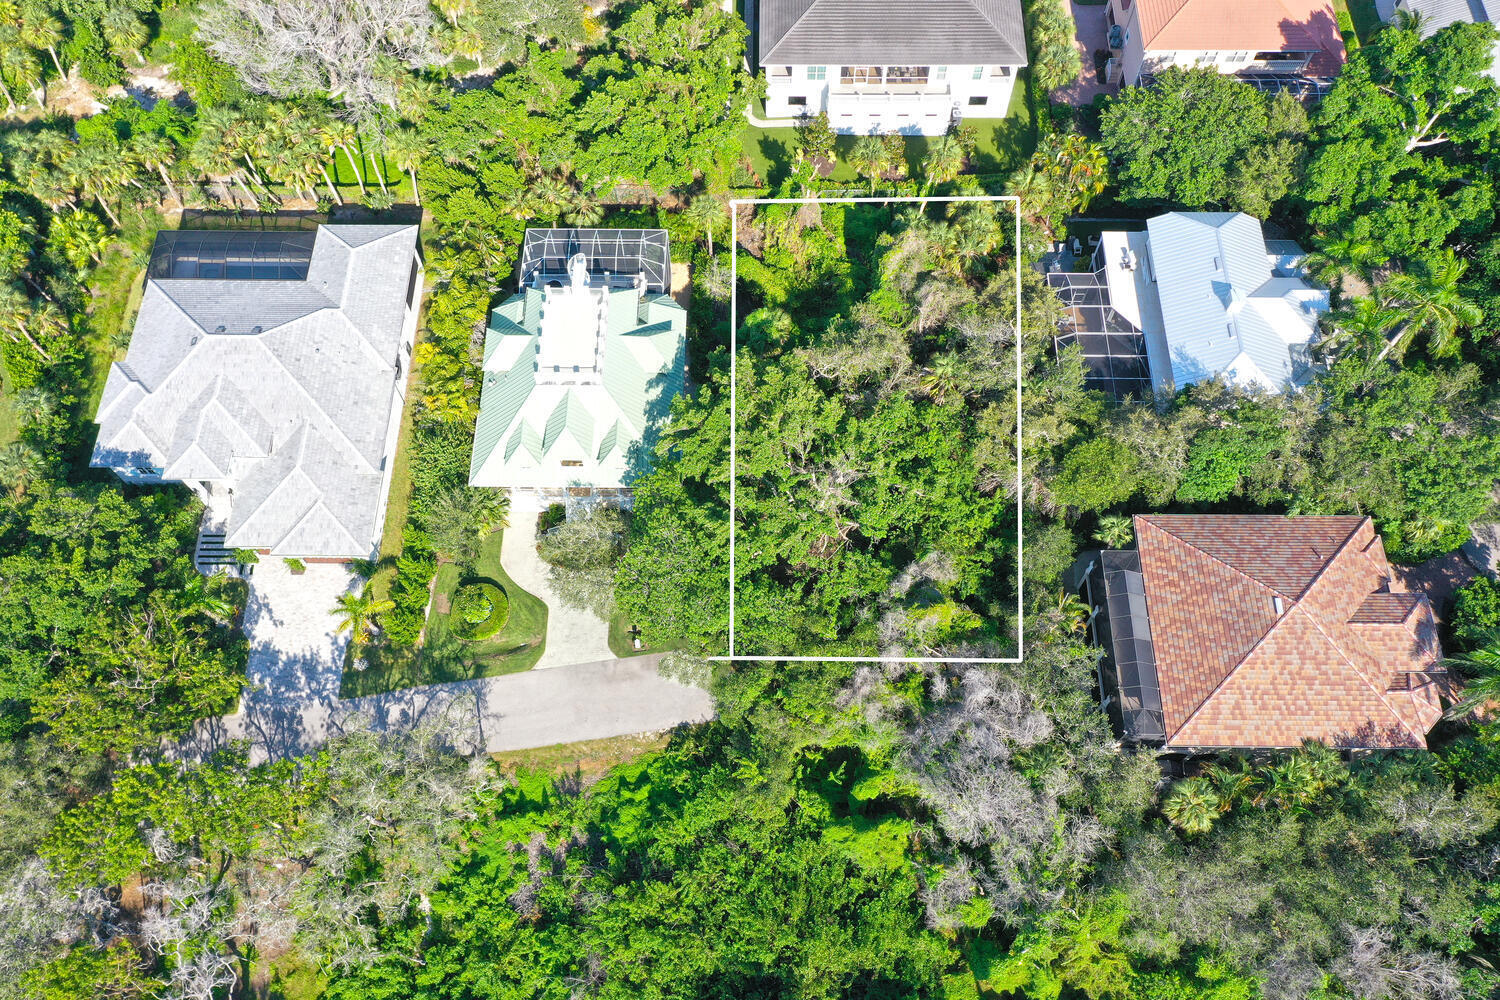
(1258, 25)
(1270, 630)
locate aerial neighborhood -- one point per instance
(810, 499)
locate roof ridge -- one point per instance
(1421, 737)
(1210, 555)
(1181, 6)
(316, 406)
(1232, 670)
(1336, 553)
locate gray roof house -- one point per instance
(1196, 295)
(1438, 14)
(879, 66)
(266, 371)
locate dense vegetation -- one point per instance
(841, 830)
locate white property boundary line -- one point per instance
(734, 435)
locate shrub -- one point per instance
(297, 566)
(402, 626)
(550, 518)
(1476, 612)
(480, 609)
(246, 557)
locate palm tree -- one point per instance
(82, 236)
(1115, 531)
(943, 377)
(870, 157)
(155, 151)
(1231, 785)
(123, 31)
(378, 162)
(357, 614)
(1434, 302)
(216, 151)
(1481, 670)
(408, 149)
(18, 315)
(337, 134)
(204, 595)
(1365, 323)
(20, 463)
(943, 161)
(33, 406)
(40, 30)
(100, 172)
(707, 214)
(1344, 256)
(1073, 610)
(1192, 806)
(18, 67)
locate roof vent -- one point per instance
(254, 330)
(220, 328)
(1278, 604)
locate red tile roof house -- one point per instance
(1251, 37)
(1229, 631)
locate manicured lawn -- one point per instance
(1004, 144)
(1364, 15)
(620, 643)
(442, 656)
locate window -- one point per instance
(906, 74)
(856, 75)
(817, 72)
(940, 73)
(147, 470)
(1000, 71)
(978, 73)
(411, 285)
(797, 102)
(978, 101)
(1281, 56)
(572, 463)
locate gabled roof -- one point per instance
(1438, 14)
(933, 32)
(1224, 309)
(580, 370)
(1271, 630)
(281, 388)
(1255, 25)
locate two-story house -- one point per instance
(1249, 37)
(879, 66)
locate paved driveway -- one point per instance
(573, 636)
(292, 705)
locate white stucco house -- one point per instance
(1247, 37)
(880, 66)
(267, 372)
(580, 367)
(1193, 296)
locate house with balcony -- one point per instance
(1260, 631)
(1262, 40)
(1192, 296)
(267, 372)
(580, 368)
(878, 66)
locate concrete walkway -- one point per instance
(291, 705)
(573, 635)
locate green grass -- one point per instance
(1365, 17)
(345, 180)
(1004, 144)
(443, 656)
(621, 645)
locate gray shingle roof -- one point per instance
(898, 32)
(1438, 14)
(282, 389)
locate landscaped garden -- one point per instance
(444, 653)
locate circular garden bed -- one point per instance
(480, 609)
